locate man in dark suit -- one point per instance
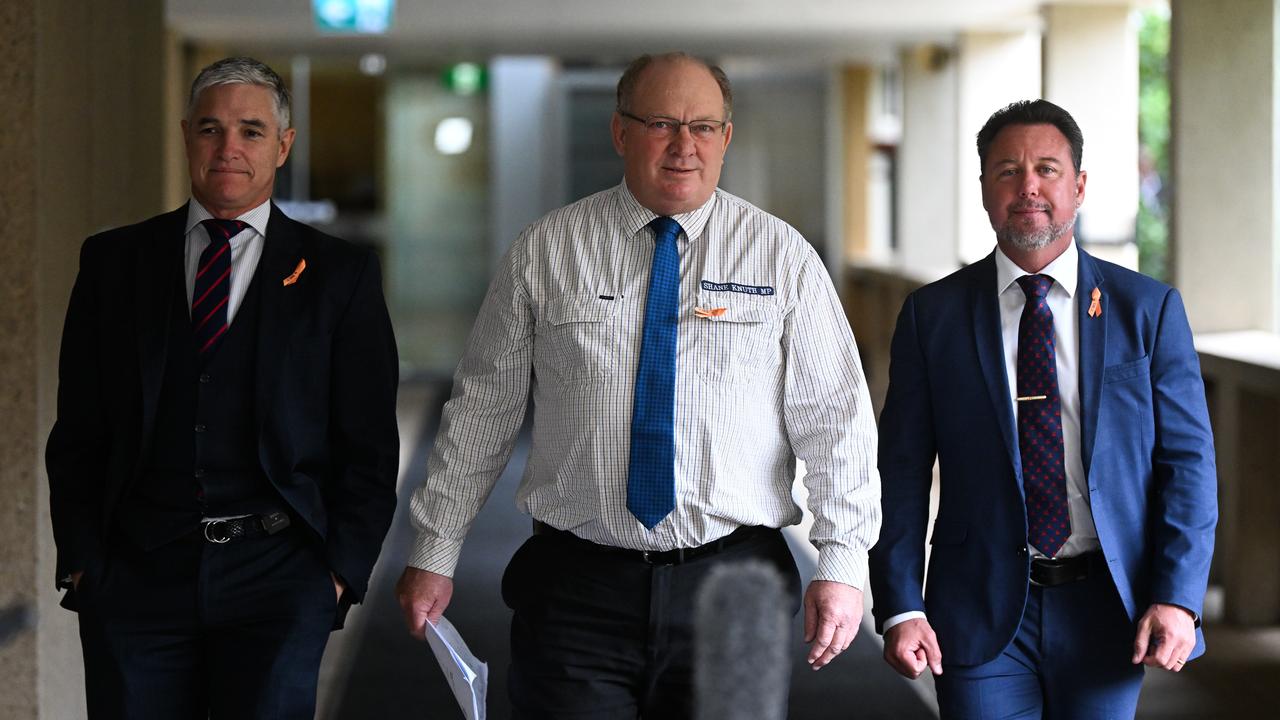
(222, 469)
(1062, 398)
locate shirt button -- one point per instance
(205, 378)
(200, 428)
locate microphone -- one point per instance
(741, 638)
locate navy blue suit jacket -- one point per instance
(326, 387)
(1145, 438)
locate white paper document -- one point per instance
(467, 676)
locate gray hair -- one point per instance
(242, 71)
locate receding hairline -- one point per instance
(639, 68)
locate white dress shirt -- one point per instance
(246, 250)
(1066, 343)
(774, 377)
(1066, 321)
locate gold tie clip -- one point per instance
(1025, 398)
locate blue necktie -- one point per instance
(1044, 477)
(651, 474)
(213, 285)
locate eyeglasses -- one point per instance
(658, 126)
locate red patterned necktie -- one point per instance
(213, 285)
(1044, 478)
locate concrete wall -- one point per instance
(995, 69)
(524, 123)
(1224, 153)
(1083, 44)
(81, 149)
(776, 159)
(927, 211)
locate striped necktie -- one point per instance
(213, 285)
(651, 473)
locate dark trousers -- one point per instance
(200, 630)
(1069, 661)
(601, 635)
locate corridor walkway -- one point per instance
(373, 670)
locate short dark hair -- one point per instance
(631, 76)
(1031, 112)
(242, 71)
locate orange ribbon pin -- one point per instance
(1095, 307)
(709, 312)
(293, 278)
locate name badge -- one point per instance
(735, 287)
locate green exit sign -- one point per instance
(465, 78)
(353, 16)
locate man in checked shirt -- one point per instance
(683, 349)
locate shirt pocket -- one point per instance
(581, 337)
(739, 343)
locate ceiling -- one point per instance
(603, 29)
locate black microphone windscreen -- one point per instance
(741, 637)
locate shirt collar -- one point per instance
(256, 218)
(1065, 270)
(636, 216)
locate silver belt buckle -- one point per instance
(215, 538)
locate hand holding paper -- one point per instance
(468, 677)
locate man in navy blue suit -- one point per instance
(1061, 396)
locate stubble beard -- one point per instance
(1038, 238)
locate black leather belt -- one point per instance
(659, 557)
(224, 531)
(1051, 572)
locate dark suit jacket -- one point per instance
(326, 384)
(1145, 439)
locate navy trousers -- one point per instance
(1070, 660)
(199, 630)
(601, 636)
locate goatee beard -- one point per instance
(1034, 239)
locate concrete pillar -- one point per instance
(1222, 68)
(81, 150)
(926, 207)
(177, 85)
(525, 125)
(994, 70)
(1091, 69)
(19, 360)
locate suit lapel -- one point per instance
(159, 273)
(279, 305)
(986, 331)
(1093, 343)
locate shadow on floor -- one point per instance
(385, 674)
(377, 672)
